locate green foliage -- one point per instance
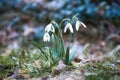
(102, 74)
(7, 66)
(42, 62)
(67, 56)
(55, 51)
(85, 50)
(102, 71)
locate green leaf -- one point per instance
(51, 57)
(22, 56)
(67, 56)
(40, 48)
(85, 49)
(72, 56)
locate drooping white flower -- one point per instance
(49, 28)
(46, 37)
(68, 26)
(78, 24)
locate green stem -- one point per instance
(74, 17)
(66, 19)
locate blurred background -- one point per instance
(24, 20)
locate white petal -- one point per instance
(77, 25)
(48, 27)
(46, 37)
(68, 26)
(83, 24)
(71, 28)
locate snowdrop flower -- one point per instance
(68, 26)
(78, 24)
(49, 28)
(46, 37)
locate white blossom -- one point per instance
(49, 28)
(78, 24)
(46, 37)
(68, 26)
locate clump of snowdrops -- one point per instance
(54, 34)
(53, 52)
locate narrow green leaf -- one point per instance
(72, 55)
(85, 49)
(22, 56)
(51, 57)
(40, 48)
(67, 56)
